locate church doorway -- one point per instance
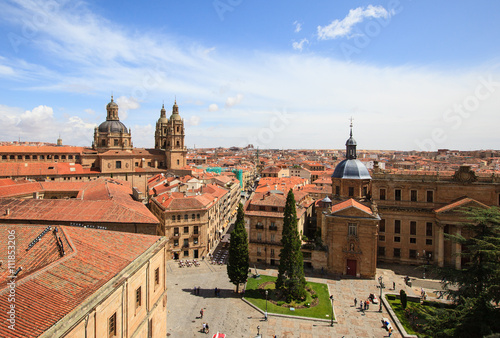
(176, 255)
(351, 267)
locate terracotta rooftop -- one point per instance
(44, 169)
(349, 204)
(460, 203)
(40, 150)
(50, 285)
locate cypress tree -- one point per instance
(291, 280)
(237, 267)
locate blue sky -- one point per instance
(278, 74)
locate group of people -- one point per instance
(362, 305)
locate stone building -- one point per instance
(112, 154)
(77, 282)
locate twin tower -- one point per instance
(169, 135)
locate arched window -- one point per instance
(115, 142)
(178, 217)
(103, 143)
(186, 217)
(178, 143)
(192, 217)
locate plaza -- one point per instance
(229, 314)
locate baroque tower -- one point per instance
(169, 136)
(112, 134)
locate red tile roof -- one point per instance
(50, 286)
(460, 203)
(350, 203)
(40, 150)
(44, 169)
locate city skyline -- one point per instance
(414, 75)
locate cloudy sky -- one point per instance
(278, 74)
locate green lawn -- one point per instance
(257, 297)
(421, 311)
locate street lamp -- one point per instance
(258, 331)
(380, 300)
(331, 297)
(266, 304)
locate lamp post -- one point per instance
(331, 324)
(380, 300)
(258, 331)
(266, 304)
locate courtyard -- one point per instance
(229, 314)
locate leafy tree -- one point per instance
(476, 286)
(291, 280)
(403, 298)
(237, 267)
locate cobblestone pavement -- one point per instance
(230, 315)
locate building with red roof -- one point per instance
(74, 282)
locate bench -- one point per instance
(386, 324)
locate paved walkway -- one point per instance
(230, 315)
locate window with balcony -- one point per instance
(428, 229)
(413, 195)
(176, 242)
(259, 251)
(381, 226)
(413, 228)
(176, 231)
(259, 225)
(186, 230)
(430, 196)
(397, 226)
(273, 238)
(397, 194)
(259, 236)
(186, 217)
(272, 252)
(273, 226)
(195, 230)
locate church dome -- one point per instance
(350, 142)
(163, 115)
(351, 169)
(113, 126)
(112, 104)
(175, 112)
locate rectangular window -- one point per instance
(150, 328)
(186, 230)
(138, 297)
(413, 228)
(381, 227)
(176, 242)
(413, 240)
(19, 157)
(273, 237)
(262, 208)
(397, 252)
(413, 195)
(413, 254)
(428, 229)
(382, 194)
(112, 326)
(351, 191)
(381, 238)
(428, 242)
(397, 194)
(186, 253)
(381, 251)
(353, 229)
(186, 242)
(337, 191)
(173, 218)
(195, 229)
(176, 230)
(34, 157)
(272, 252)
(157, 276)
(259, 236)
(274, 208)
(397, 226)
(430, 196)
(259, 251)
(118, 164)
(397, 239)
(70, 157)
(26, 157)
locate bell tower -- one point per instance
(175, 151)
(161, 133)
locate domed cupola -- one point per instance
(112, 134)
(351, 167)
(175, 112)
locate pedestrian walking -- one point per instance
(204, 327)
(361, 304)
(355, 302)
(390, 331)
(367, 304)
(201, 313)
(208, 329)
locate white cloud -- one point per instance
(341, 28)
(232, 101)
(299, 45)
(193, 121)
(125, 104)
(213, 107)
(298, 26)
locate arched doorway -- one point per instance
(351, 267)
